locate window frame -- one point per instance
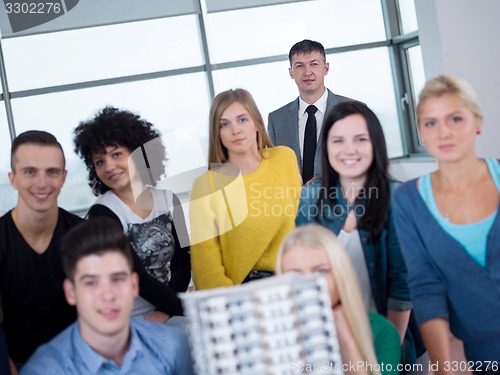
(397, 43)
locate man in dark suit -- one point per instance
(298, 125)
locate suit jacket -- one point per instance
(283, 127)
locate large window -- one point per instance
(272, 30)
(166, 66)
(101, 52)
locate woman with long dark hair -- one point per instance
(352, 199)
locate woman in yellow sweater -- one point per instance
(246, 203)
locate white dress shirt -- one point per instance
(320, 115)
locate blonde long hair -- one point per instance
(346, 282)
(217, 153)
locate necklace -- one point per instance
(454, 208)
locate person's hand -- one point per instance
(157, 317)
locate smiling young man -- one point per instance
(100, 282)
(298, 124)
(31, 273)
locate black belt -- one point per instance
(256, 275)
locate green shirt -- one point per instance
(386, 342)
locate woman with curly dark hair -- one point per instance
(125, 160)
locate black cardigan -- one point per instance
(163, 297)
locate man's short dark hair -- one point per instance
(306, 47)
(37, 137)
(95, 236)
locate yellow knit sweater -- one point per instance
(238, 222)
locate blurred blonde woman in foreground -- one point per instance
(364, 337)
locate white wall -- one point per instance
(460, 37)
(407, 170)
